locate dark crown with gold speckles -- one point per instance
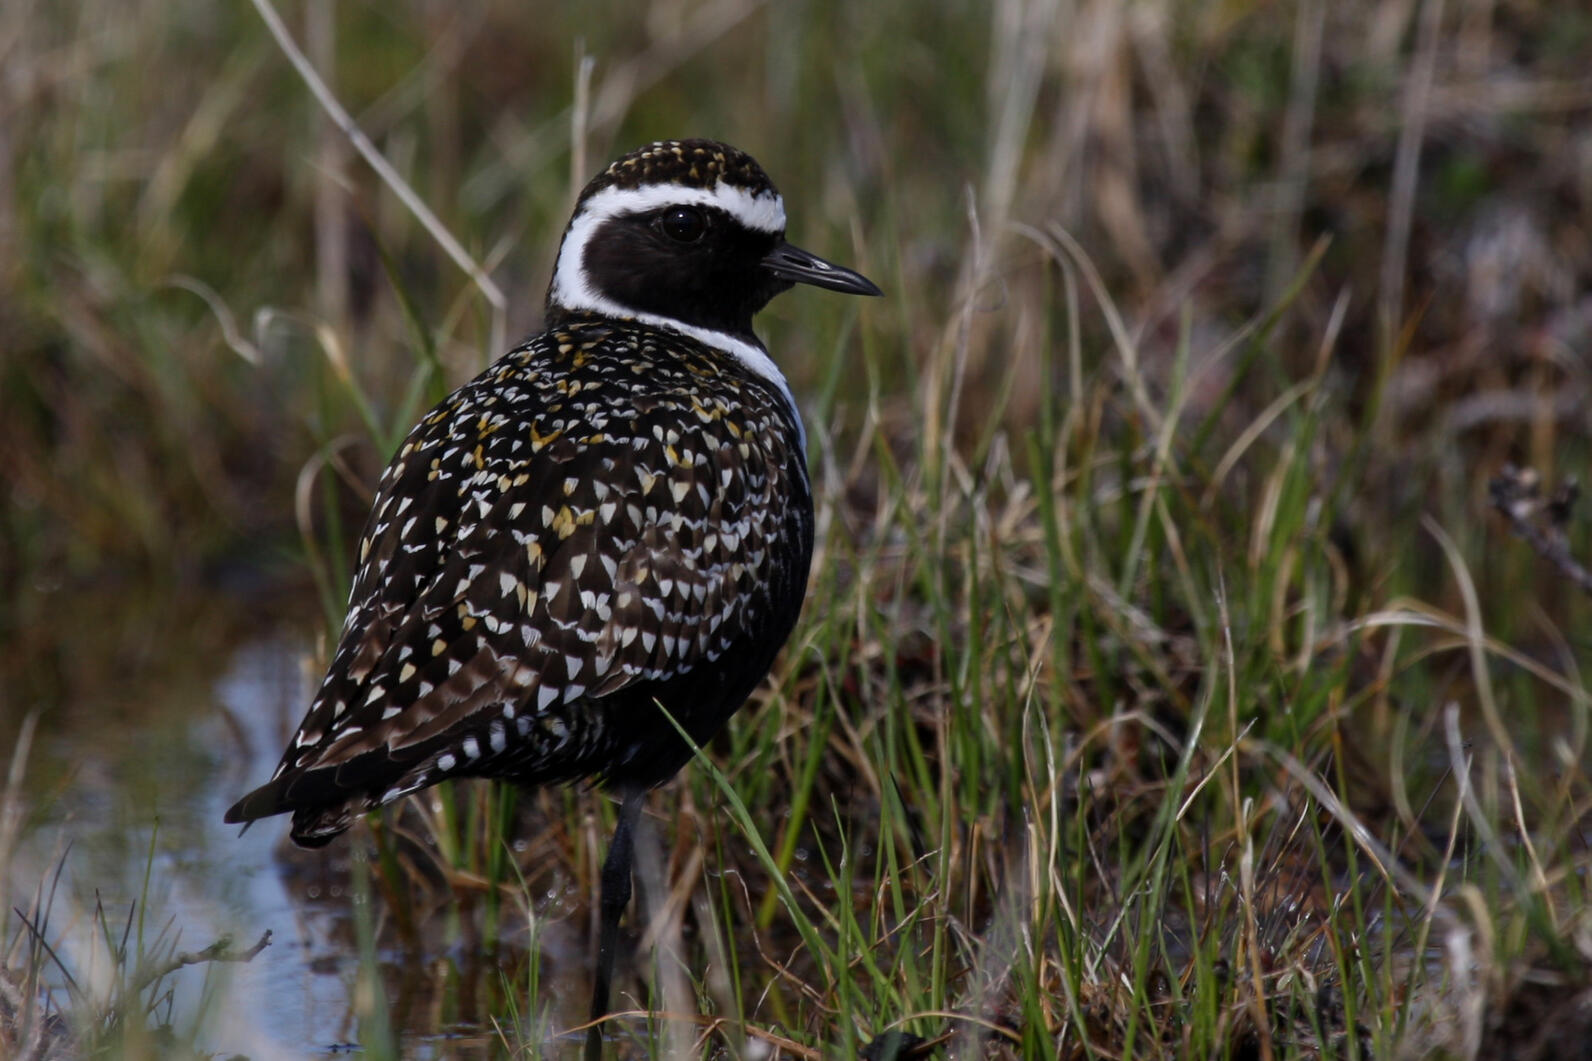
(687, 163)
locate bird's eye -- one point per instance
(683, 224)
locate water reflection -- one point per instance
(129, 792)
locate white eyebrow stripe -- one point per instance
(761, 211)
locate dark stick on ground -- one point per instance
(1538, 521)
(219, 951)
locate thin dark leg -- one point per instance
(615, 897)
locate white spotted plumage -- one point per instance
(614, 516)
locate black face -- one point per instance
(693, 264)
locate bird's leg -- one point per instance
(615, 897)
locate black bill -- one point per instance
(802, 267)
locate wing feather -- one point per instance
(510, 576)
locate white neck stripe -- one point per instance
(751, 355)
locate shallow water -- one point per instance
(125, 791)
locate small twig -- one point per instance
(219, 951)
(1517, 495)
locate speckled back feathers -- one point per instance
(613, 517)
(600, 516)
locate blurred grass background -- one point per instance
(1196, 151)
(1092, 219)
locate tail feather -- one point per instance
(321, 810)
(319, 826)
(325, 801)
(270, 798)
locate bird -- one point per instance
(606, 533)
